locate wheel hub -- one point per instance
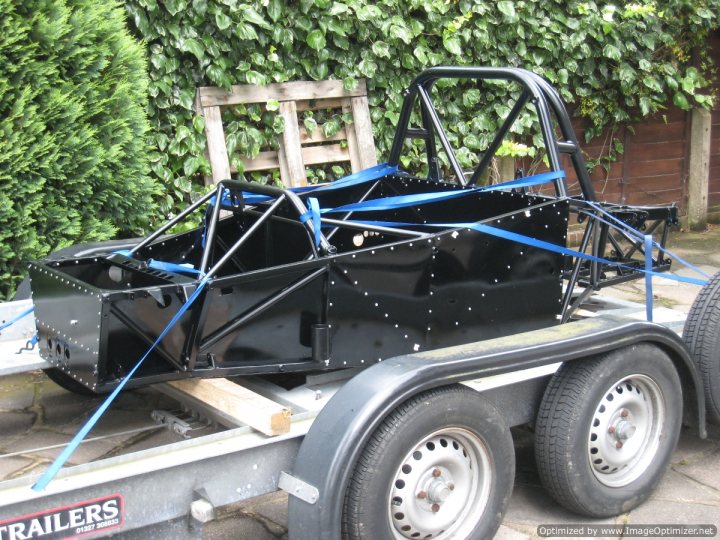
(444, 482)
(625, 433)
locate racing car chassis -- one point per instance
(347, 274)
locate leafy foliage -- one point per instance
(612, 63)
(73, 153)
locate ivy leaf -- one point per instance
(338, 8)
(272, 105)
(194, 47)
(336, 27)
(681, 101)
(452, 44)
(381, 49)
(278, 126)
(350, 83)
(198, 124)
(369, 13)
(252, 16)
(274, 9)
(331, 127)
(190, 167)
(186, 99)
(175, 6)
(245, 32)
(507, 8)
(368, 68)
(316, 40)
(253, 77)
(645, 105)
(402, 33)
(471, 97)
(222, 21)
(612, 52)
(420, 54)
(310, 125)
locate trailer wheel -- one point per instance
(607, 428)
(441, 465)
(702, 337)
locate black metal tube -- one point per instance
(254, 227)
(430, 147)
(497, 141)
(564, 311)
(563, 120)
(346, 216)
(172, 222)
(212, 228)
(139, 332)
(309, 225)
(241, 319)
(377, 228)
(432, 113)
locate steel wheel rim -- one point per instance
(442, 486)
(625, 430)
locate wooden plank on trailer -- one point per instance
(233, 400)
(219, 161)
(288, 91)
(290, 154)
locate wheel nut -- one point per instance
(436, 472)
(611, 429)
(618, 445)
(625, 413)
(422, 495)
(451, 486)
(435, 507)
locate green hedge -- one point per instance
(73, 129)
(613, 64)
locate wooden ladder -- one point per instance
(353, 143)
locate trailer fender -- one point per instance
(330, 449)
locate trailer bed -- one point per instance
(157, 474)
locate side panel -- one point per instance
(485, 287)
(378, 302)
(276, 332)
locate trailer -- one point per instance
(413, 339)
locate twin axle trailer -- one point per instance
(437, 313)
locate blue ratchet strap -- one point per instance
(15, 319)
(648, 277)
(181, 268)
(401, 201)
(533, 242)
(360, 177)
(640, 236)
(56, 465)
(314, 214)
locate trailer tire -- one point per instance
(606, 429)
(441, 465)
(701, 334)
